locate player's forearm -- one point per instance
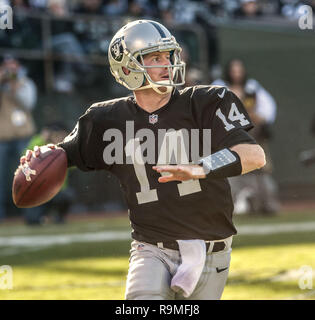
(252, 156)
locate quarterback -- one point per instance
(180, 207)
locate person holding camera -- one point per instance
(18, 95)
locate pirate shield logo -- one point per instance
(116, 50)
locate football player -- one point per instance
(180, 213)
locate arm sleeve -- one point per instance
(229, 122)
(83, 146)
(237, 137)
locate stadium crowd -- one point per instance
(81, 37)
(184, 9)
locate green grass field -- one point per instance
(264, 266)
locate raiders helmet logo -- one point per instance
(116, 50)
(26, 169)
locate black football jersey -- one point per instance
(196, 209)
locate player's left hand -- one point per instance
(180, 172)
(36, 153)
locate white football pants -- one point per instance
(151, 270)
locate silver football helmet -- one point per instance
(137, 39)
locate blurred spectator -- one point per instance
(230, 6)
(215, 7)
(192, 12)
(91, 33)
(212, 43)
(248, 9)
(65, 42)
(60, 204)
(26, 31)
(293, 9)
(90, 7)
(20, 4)
(257, 191)
(18, 96)
(184, 11)
(116, 8)
(142, 9)
(38, 5)
(166, 12)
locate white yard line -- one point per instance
(276, 228)
(62, 239)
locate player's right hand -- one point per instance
(36, 153)
(180, 172)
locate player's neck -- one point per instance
(150, 101)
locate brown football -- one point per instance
(40, 179)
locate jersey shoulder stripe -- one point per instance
(108, 103)
(201, 90)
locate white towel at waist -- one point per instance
(193, 256)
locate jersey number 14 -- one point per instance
(146, 194)
(234, 115)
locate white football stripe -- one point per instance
(62, 239)
(49, 240)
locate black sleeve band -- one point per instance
(222, 164)
(239, 136)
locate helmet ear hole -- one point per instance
(172, 56)
(125, 71)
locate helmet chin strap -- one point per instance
(156, 87)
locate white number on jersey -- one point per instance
(234, 115)
(146, 194)
(133, 150)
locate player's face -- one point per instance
(158, 59)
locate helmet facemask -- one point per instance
(176, 71)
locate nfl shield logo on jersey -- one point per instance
(153, 118)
